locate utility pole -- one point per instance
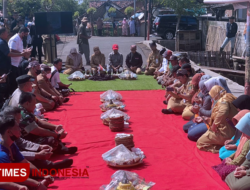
(134, 8)
(149, 18)
(247, 64)
(145, 18)
(5, 5)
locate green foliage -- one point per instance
(112, 10)
(184, 7)
(129, 11)
(91, 10)
(76, 14)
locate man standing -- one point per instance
(154, 60)
(14, 22)
(134, 60)
(36, 42)
(232, 29)
(5, 59)
(99, 24)
(115, 59)
(16, 46)
(83, 40)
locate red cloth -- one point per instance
(173, 162)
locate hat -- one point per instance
(152, 44)
(24, 78)
(84, 19)
(167, 53)
(45, 67)
(115, 47)
(33, 64)
(173, 57)
(231, 17)
(29, 24)
(181, 72)
(186, 66)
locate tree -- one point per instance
(184, 7)
(90, 12)
(112, 10)
(76, 14)
(129, 11)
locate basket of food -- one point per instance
(116, 123)
(126, 180)
(128, 75)
(105, 116)
(112, 104)
(122, 157)
(110, 95)
(126, 139)
(76, 76)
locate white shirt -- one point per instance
(56, 77)
(15, 98)
(16, 43)
(164, 65)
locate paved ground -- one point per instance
(105, 44)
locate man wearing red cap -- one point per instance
(115, 59)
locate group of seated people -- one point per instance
(218, 121)
(25, 135)
(133, 61)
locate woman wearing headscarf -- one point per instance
(221, 128)
(217, 81)
(240, 178)
(125, 27)
(201, 109)
(97, 61)
(132, 26)
(239, 156)
(73, 62)
(241, 103)
(188, 114)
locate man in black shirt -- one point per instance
(134, 60)
(14, 22)
(232, 29)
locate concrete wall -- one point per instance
(240, 41)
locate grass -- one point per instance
(142, 83)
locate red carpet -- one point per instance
(173, 162)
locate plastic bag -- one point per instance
(138, 182)
(112, 111)
(76, 76)
(110, 95)
(111, 105)
(120, 155)
(128, 75)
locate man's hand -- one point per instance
(197, 100)
(54, 98)
(239, 172)
(198, 120)
(58, 128)
(195, 109)
(227, 141)
(43, 155)
(231, 147)
(45, 147)
(62, 133)
(21, 187)
(214, 128)
(3, 78)
(147, 68)
(228, 161)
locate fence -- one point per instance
(212, 59)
